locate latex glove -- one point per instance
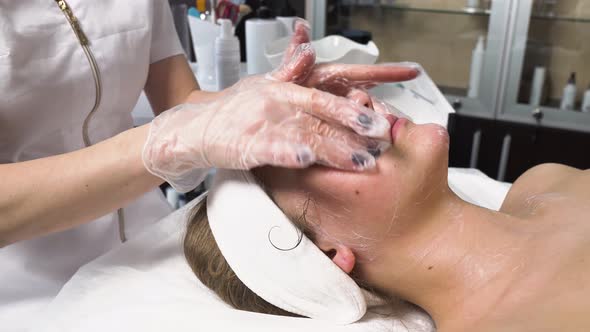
(345, 80)
(264, 121)
(351, 81)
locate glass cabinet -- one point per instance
(547, 73)
(503, 59)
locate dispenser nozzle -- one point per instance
(226, 27)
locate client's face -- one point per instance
(363, 211)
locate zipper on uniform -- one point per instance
(73, 21)
(75, 24)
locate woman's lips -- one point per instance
(396, 127)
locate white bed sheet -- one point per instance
(146, 285)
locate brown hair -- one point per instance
(207, 262)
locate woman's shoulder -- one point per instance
(545, 179)
(548, 174)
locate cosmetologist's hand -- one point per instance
(265, 120)
(346, 80)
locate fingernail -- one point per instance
(304, 157)
(301, 22)
(416, 67)
(376, 148)
(375, 152)
(358, 159)
(304, 49)
(375, 126)
(365, 120)
(362, 160)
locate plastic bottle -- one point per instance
(227, 56)
(260, 31)
(473, 4)
(204, 34)
(476, 68)
(537, 86)
(568, 101)
(287, 16)
(586, 102)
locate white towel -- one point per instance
(273, 258)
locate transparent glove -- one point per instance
(268, 120)
(350, 81)
(344, 80)
(261, 121)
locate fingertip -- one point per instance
(301, 64)
(298, 66)
(412, 74)
(363, 160)
(380, 148)
(414, 69)
(389, 111)
(372, 124)
(302, 29)
(382, 128)
(305, 54)
(406, 64)
(362, 120)
(402, 71)
(390, 118)
(305, 157)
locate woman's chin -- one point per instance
(428, 137)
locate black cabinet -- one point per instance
(482, 143)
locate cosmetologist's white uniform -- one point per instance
(46, 91)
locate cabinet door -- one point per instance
(549, 41)
(505, 150)
(441, 35)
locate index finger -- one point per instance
(337, 110)
(363, 75)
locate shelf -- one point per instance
(475, 12)
(554, 107)
(458, 11)
(558, 18)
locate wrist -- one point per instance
(132, 145)
(173, 148)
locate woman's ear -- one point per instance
(341, 255)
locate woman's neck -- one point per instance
(455, 262)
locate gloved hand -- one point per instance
(266, 120)
(261, 121)
(351, 81)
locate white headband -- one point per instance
(271, 256)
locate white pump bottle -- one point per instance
(227, 56)
(476, 72)
(568, 100)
